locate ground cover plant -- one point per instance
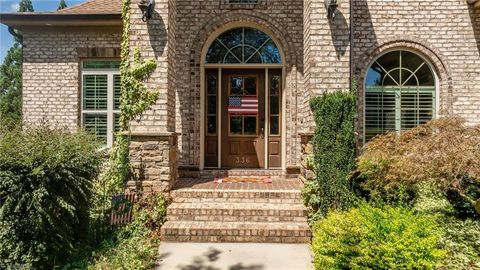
(132, 246)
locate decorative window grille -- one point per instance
(101, 99)
(400, 93)
(243, 45)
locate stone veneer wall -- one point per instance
(51, 71)
(446, 32)
(306, 169)
(153, 162)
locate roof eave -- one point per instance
(19, 20)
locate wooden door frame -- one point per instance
(220, 68)
(223, 116)
(204, 66)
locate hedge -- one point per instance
(334, 153)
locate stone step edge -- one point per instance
(236, 226)
(248, 191)
(254, 206)
(237, 239)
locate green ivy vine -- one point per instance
(135, 99)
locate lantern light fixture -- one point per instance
(331, 6)
(146, 6)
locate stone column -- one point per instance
(306, 170)
(153, 161)
(153, 149)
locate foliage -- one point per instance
(461, 237)
(376, 238)
(462, 242)
(334, 153)
(11, 78)
(135, 99)
(11, 87)
(25, 6)
(134, 246)
(46, 176)
(62, 5)
(445, 152)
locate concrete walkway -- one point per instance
(234, 256)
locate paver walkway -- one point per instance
(234, 256)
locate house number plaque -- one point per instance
(242, 160)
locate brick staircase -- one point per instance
(203, 211)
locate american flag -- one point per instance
(242, 105)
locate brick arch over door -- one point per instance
(292, 60)
(418, 46)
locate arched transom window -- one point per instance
(399, 93)
(243, 45)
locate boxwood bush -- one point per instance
(45, 189)
(376, 238)
(334, 153)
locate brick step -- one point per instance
(209, 173)
(246, 212)
(241, 173)
(257, 196)
(266, 232)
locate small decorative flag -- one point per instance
(242, 105)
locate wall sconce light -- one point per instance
(331, 6)
(146, 6)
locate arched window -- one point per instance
(243, 45)
(399, 93)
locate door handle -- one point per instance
(262, 135)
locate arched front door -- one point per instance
(242, 101)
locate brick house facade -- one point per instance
(318, 55)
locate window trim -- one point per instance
(110, 72)
(436, 92)
(242, 45)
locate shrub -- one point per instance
(376, 238)
(45, 187)
(134, 246)
(461, 239)
(445, 152)
(334, 153)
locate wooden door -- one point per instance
(243, 118)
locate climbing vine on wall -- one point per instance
(135, 99)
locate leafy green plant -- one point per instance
(334, 153)
(135, 99)
(445, 152)
(45, 189)
(376, 238)
(134, 246)
(461, 239)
